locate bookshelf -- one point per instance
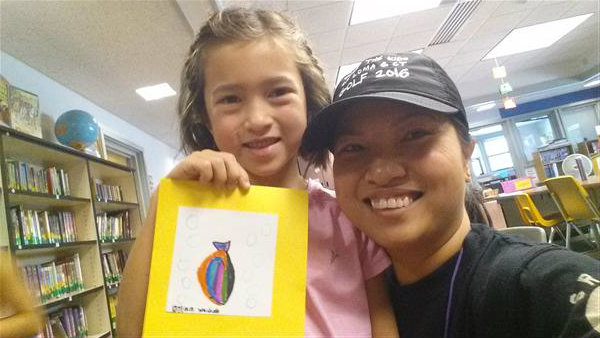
(69, 220)
(548, 160)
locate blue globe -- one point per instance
(76, 128)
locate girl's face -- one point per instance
(400, 174)
(256, 105)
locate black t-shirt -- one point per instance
(505, 288)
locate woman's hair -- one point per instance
(235, 25)
(474, 205)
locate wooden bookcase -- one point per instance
(84, 171)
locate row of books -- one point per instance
(34, 227)
(29, 177)
(114, 226)
(54, 279)
(113, 263)
(106, 192)
(68, 322)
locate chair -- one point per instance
(532, 216)
(575, 205)
(532, 233)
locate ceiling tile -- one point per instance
(444, 50)
(584, 7)
(359, 53)
(296, 5)
(411, 42)
(547, 11)
(515, 6)
(456, 73)
(369, 31)
(330, 61)
(467, 58)
(501, 23)
(328, 41)
(324, 18)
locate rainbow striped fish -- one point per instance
(216, 275)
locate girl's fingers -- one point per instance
(236, 175)
(219, 169)
(204, 171)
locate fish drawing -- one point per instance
(216, 274)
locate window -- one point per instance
(579, 122)
(491, 151)
(497, 152)
(477, 162)
(535, 132)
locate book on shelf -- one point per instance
(54, 279)
(113, 226)
(30, 177)
(113, 263)
(112, 306)
(106, 192)
(35, 227)
(69, 322)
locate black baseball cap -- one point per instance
(403, 77)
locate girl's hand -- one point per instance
(215, 168)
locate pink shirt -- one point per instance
(340, 259)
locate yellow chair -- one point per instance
(532, 216)
(575, 205)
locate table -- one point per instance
(542, 199)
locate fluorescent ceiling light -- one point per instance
(499, 72)
(592, 83)
(487, 130)
(485, 106)
(535, 37)
(156, 92)
(509, 103)
(345, 70)
(370, 10)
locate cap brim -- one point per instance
(320, 129)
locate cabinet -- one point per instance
(69, 220)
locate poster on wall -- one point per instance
(24, 111)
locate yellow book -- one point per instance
(227, 264)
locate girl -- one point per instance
(248, 87)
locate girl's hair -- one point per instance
(235, 25)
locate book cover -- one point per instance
(4, 90)
(24, 109)
(227, 264)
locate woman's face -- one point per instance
(400, 173)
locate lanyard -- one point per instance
(450, 293)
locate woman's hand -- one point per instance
(215, 168)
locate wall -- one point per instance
(56, 99)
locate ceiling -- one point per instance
(104, 50)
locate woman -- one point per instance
(398, 130)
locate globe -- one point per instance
(76, 128)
